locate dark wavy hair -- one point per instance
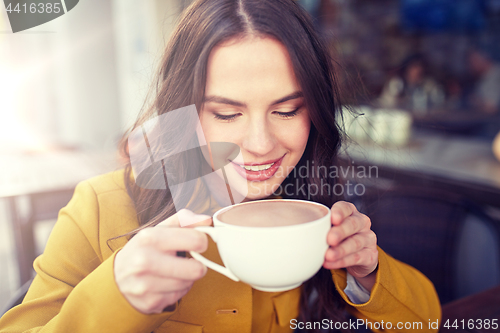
(181, 82)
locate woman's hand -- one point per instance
(148, 272)
(353, 245)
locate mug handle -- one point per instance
(210, 264)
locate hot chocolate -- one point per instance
(271, 213)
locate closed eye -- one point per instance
(232, 117)
(288, 115)
(228, 118)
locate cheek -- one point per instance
(294, 139)
(200, 134)
(305, 133)
(215, 131)
(300, 135)
(205, 133)
(211, 131)
(205, 127)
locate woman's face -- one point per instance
(252, 99)
(415, 73)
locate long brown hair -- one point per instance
(181, 82)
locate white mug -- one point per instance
(271, 259)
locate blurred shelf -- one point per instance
(466, 165)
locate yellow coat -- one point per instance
(75, 291)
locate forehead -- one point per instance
(251, 67)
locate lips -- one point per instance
(258, 171)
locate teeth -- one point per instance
(257, 167)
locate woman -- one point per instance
(413, 89)
(260, 79)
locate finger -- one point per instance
(185, 217)
(188, 218)
(186, 269)
(166, 266)
(152, 284)
(341, 210)
(349, 227)
(365, 257)
(172, 239)
(157, 302)
(207, 221)
(164, 300)
(174, 297)
(350, 245)
(178, 294)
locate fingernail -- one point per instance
(192, 219)
(200, 217)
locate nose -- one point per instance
(258, 138)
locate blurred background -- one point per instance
(421, 88)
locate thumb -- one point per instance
(186, 218)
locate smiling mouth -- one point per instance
(258, 172)
(261, 167)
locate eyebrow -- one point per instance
(224, 100)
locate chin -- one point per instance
(260, 191)
(252, 197)
(246, 190)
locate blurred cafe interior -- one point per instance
(420, 82)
